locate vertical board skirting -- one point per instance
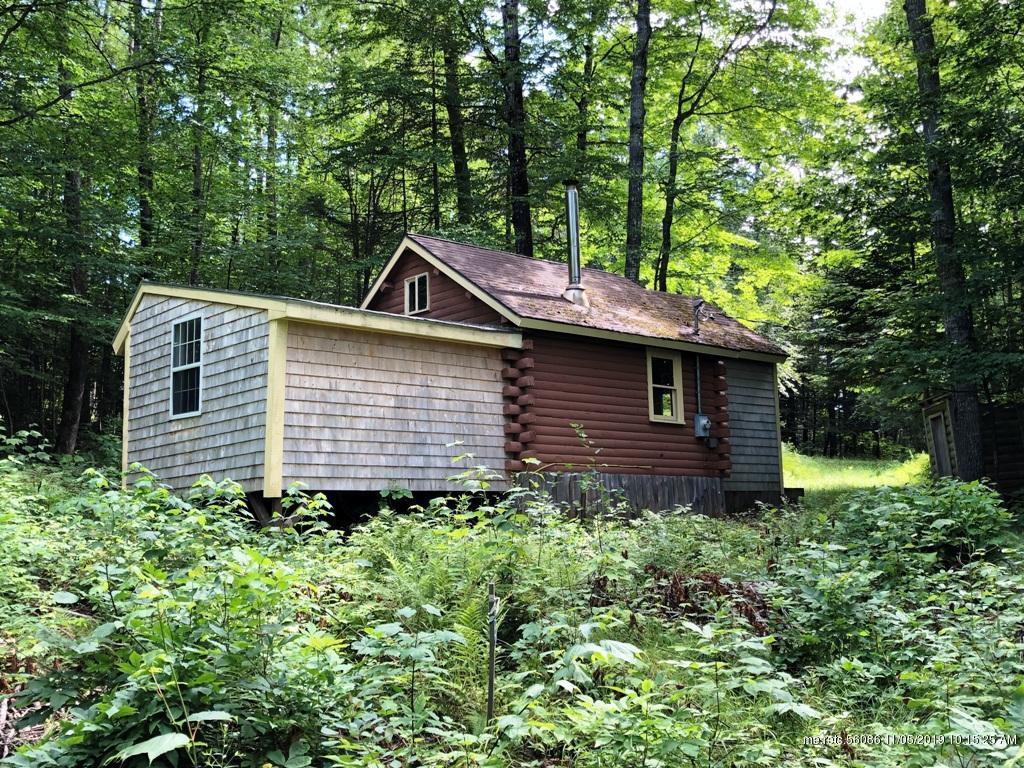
(657, 493)
(125, 408)
(273, 447)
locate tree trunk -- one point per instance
(637, 119)
(77, 356)
(583, 107)
(457, 134)
(959, 324)
(198, 203)
(665, 252)
(515, 117)
(435, 176)
(271, 161)
(144, 131)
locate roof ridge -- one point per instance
(488, 248)
(529, 258)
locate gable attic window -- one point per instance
(186, 367)
(665, 386)
(417, 294)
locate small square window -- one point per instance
(665, 386)
(417, 294)
(186, 366)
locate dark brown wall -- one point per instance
(603, 386)
(1003, 440)
(448, 300)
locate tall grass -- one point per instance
(826, 480)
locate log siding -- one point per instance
(603, 387)
(365, 410)
(226, 438)
(447, 300)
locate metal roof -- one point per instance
(532, 288)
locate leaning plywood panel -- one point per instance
(753, 423)
(226, 438)
(364, 410)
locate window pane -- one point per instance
(410, 296)
(421, 292)
(661, 371)
(664, 402)
(185, 391)
(186, 349)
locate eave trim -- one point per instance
(325, 314)
(648, 341)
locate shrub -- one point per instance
(185, 635)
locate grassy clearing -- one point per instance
(827, 481)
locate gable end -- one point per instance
(447, 299)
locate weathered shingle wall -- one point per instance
(363, 410)
(226, 439)
(753, 425)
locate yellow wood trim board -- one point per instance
(677, 375)
(273, 443)
(402, 325)
(126, 404)
(326, 314)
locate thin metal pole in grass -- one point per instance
(492, 643)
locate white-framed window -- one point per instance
(417, 294)
(665, 385)
(187, 367)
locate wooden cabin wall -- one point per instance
(365, 410)
(226, 439)
(602, 385)
(1003, 443)
(448, 300)
(753, 422)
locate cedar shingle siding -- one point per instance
(363, 410)
(226, 439)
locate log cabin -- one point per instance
(456, 349)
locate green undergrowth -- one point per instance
(155, 629)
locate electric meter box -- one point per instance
(702, 425)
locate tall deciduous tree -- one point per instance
(515, 119)
(637, 123)
(949, 262)
(73, 245)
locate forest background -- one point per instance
(768, 156)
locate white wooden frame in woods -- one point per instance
(174, 369)
(679, 417)
(413, 281)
